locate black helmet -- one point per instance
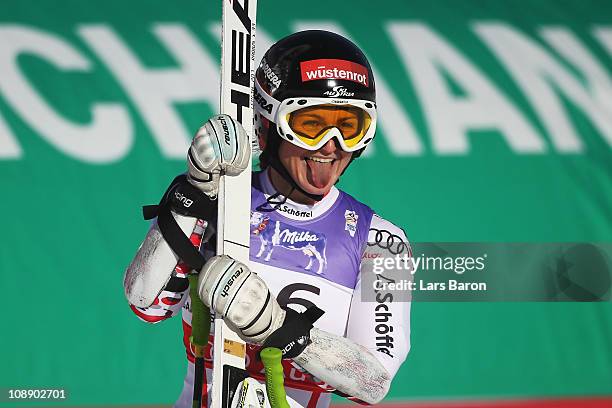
(306, 69)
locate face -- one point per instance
(314, 171)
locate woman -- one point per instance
(315, 113)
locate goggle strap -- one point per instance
(272, 205)
(269, 105)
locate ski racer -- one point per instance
(315, 112)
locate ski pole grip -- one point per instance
(200, 319)
(275, 388)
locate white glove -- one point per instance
(219, 147)
(229, 288)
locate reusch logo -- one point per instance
(231, 281)
(300, 341)
(226, 132)
(334, 69)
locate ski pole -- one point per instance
(200, 329)
(271, 358)
(200, 319)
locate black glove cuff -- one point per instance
(294, 335)
(185, 199)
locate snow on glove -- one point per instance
(221, 146)
(229, 288)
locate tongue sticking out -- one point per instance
(319, 174)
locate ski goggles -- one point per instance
(311, 122)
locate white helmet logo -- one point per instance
(337, 91)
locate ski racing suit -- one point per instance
(307, 255)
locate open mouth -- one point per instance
(320, 159)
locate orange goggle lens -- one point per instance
(312, 123)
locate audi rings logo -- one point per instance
(386, 240)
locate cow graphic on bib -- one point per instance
(275, 234)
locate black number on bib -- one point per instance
(284, 297)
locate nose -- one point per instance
(329, 147)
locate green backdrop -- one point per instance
(496, 125)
